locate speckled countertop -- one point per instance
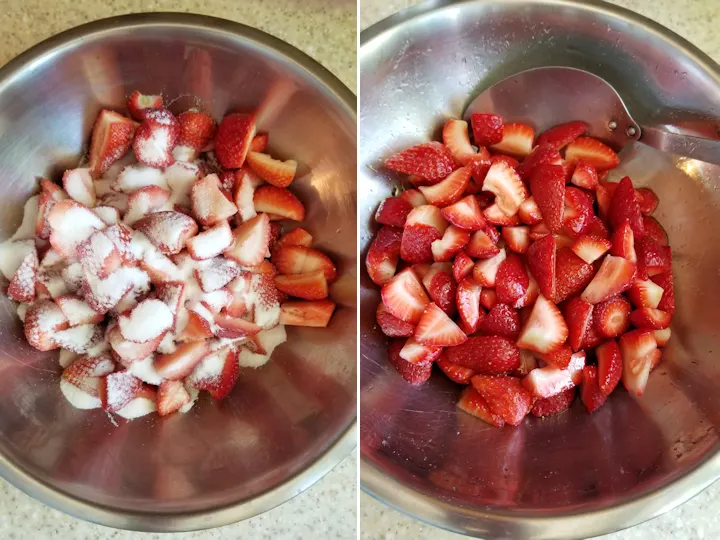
(324, 29)
(696, 21)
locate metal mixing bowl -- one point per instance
(574, 475)
(286, 424)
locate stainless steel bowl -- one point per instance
(286, 424)
(574, 475)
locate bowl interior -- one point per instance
(449, 468)
(282, 417)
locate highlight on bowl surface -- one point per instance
(520, 270)
(167, 262)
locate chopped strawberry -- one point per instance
(453, 241)
(517, 238)
(487, 355)
(412, 373)
(144, 201)
(171, 397)
(561, 357)
(539, 155)
(315, 313)
(645, 293)
(50, 194)
(637, 349)
(473, 403)
(418, 353)
(585, 176)
(662, 336)
(197, 328)
(550, 380)
(424, 225)
(488, 298)
(539, 231)
(655, 231)
(598, 228)
(232, 142)
(593, 152)
(647, 200)
(665, 280)
(609, 366)
(485, 271)
(23, 283)
(505, 183)
(393, 211)
(98, 255)
(77, 311)
(528, 362)
(553, 405)
(541, 259)
(440, 285)
(590, 248)
(197, 129)
(529, 212)
(465, 214)
(502, 320)
(624, 208)
(517, 140)
(495, 216)
(290, 260)
(558, 137)
(530, 296)
(432, 161)
(454, 372)
(168, 231)
(210, 243)
(547, 184)
(78, 184)
(310, 286)
(126, 351)
(279, 202)
(487, 128)
(137, 103)
(653, 258)
(390, 325)
(611, 317)
(479, 165)
(481, 246)
(448, 190)
(646, 317)
(118, 389)
(85, 372)
(71, 224)
(156, 137)
(578, 212)
(251, 245)
(414, 197)
(505, 396)
(273, 171)
(112, 137)
(623, 243)
(590, 393)
(572, 275)
(215, 273)
(435, 328)
(299, 237)
(382, 257)
(405, 296)
(462, 266)
(259, 142)
(180, 363)
(545, 330)
(468, 304)
(210, 203)
(615, 276)
(217, 373)
(43, 319)
(511, 280)
(457, 140)
(579, 317)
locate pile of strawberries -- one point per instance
(520, 271)
(159, 276)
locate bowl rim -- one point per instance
(344, 442)
(483, 523)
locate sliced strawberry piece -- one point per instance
(98, 255)
(118, 389)
(623, 243)
(468, 304)
(137, 103)
(545, 330)
(579, 317)
(310, 286)
(487, 128)
(291, 260)
(148, 321)
(505, 396)
(232, 142)
(662, 336)
(502, 320)
(180, 363)
(435, 328)
(590, 393)
(485, 271)
(495, 216)
(448, 190)
(216, 301)
(251, 246)
(473, 403)
(414, 197)
(512, 280)
(585, 176)
(559, 358)
(646, 317)
(454, 372)
(487, 355)
(612, 317)
(279, 202)
(637, 350)
(540, 154)
(260, 142)
(215, 273)
(553, 405)
(462, 266)
(590, 248)
(593, 152)
(547, 184)
(655, 231)
(647, 200)
(211, 243)
(71, 224)
(273, 171)
(615, 276)
(432, 161)
(453, 241)
(530, 296)
(653, 258)
(539, 231)
(598, 228)
(197, 129)
(465, 214)
(78, 184)
(127, 352)
(517, 139)
(488, 298)
(550, 380)
(43, 319)
(412, 373)
(418, 353)
(198, 326)
(217, 373)
(517, 238)
(300, 237)
(315, 313)
(85, 373)
(503, 181)
(390, 325)
(572, 274)
(156, 137)
(144, 201)
(112, 137)
(529, 212)
(481, 246)
(479, 165)
(168, 231)
(624, 208)
(457, 140)
(50, 194)
(645, 293)
(578, 212)
(77, 311)
(405, 296)
(558, 137)
(22, 285)
(210, 204)
(393, 211)
(541, 257)
(441, 287)
(382, 257)
(424, 225)
(609, 366)
(528, 362)
(665, 280)
(171, 397)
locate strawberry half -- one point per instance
(584, 176)
(481, 246)
(313, 313)
(646, 317)
(448, 190)
(550, 380)
(274, 171)
(511, 280)
(432, 161)
(502, 320)
(645, 293)
(615, 276)
(390, 325)
(547, 184)
(232, 142)
(517, 238)
(382, 257)
(310, 286)
(505, 396)
(590, 248)
(487, 355)
(393, 211)
(624, 208)
(504, 181)
(612, 317)
(579, 317)
(558, 137)
(545, 330)
(487, 128)
(465, 214)
(412, 373)
(462, 266)
(541, 259)
(435, 328)
(553, 405)
(453, 241)
(112, 137)
(637, 349)
(418, 353)
(473, 403)
(454, 372)
(468, 304)
(457, 140)
(593, 152)
(424, 225)
(485, 271)
(517, 140)
(590, 393)
(609, 366)
(405, 296)
(572, 274)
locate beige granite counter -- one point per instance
(325, 30)
(696, 21)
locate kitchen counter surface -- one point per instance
(325, 30)
(695, 20)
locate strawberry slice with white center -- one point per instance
(144, 201)
(128, 352)
(211, 243)
(418, 353)
(662, 336)
(137, 103)
(473, 403)
(468, 304)
(637, 349)
(485, 271)
(279, 202)
(274, 171)
(592, 152)
(590, 248)
(584, 176)
(645, 293)
(149, 320)
(453, 241)
(529, 213)
(431, 161)
(382, 257)
(457, 140)
(481, 246)
(449, 190)
(168, 231)
(217, 373)
(156, 137)
(646, 317)
(43, 320)
(209, 202)
(517, 238)
(118, 389)
(291, 260)
(517, 140)
(414, 197)
(310, 286)
(71, 224)
(112, 137)
(134, 177)
(437, 329)
(23, 283)
(232, 142)
(234, 328)
(214, 274)
(313, 313)
(505, 183)
(405, 296)
(77, 311)
(495, 216)
(612, 317)
(558, 137)
(180, 363)
(550, 380)
(78, 184)
(298, 237)
(615, 276)
(171, 397)
(545, 330)
(465, 214)
(251, 241)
